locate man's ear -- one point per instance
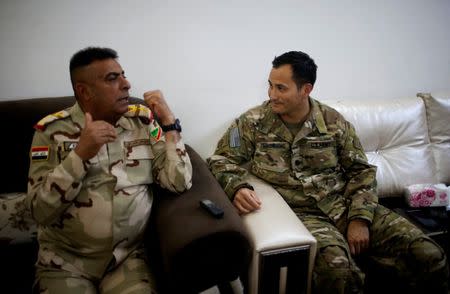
(307, 88)
(82, 91)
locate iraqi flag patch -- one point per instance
(39, 153)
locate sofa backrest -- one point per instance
(394, 134)
(18, 118)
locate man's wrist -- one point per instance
(80, 153)
(360, 220)
(167, 120)
(243, 185)
(174, 126)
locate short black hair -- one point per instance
(304, 70)
(88, 55)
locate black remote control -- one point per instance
(212, 208)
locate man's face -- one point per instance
(107, 90)
(285, 98)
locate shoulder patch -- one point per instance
(235, 138)
(141, 111)
(155, 131)
(39, 153)
(43, 123)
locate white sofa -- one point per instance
(408, 139)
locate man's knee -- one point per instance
(430, 264)
(427, 255)
(333, 257)
(335, 270)
(132, 276)
(67, 285)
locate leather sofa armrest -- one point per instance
(274, 230)
(198, 251)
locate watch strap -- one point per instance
(176, 126)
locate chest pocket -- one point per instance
(313, 154)
(271, 161)
(138, 164)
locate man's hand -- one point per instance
(358, 236)
(245, 200)
(156, 102)
(94, 135)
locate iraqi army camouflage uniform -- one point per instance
(323, 174)
(92, 214)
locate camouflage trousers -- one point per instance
(397, 247)
(131, 276)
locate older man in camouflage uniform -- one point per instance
(311, 155)
(91, 167)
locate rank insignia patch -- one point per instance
(141, 111)
(42, 124)
(39, 153)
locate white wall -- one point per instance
(211, 58)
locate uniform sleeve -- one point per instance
(52, 185)
(172, 166)
(234, 148)
(360, 176)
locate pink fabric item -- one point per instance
(427, 195)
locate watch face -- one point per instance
(177, 125)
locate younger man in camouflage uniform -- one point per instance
(311, 155)
(91, 167)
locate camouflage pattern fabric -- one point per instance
(397, 248)
(92, 214)
(132, 276)
(323, 174)
(308, 169)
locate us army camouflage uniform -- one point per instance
(323, 174)
(92, 214)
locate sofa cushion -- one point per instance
(438, 115)
(394, 135)
(16, 223)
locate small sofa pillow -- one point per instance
(427, 195)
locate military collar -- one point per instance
(77, 115)
(125, 123)
(315, 116)
(271, 122)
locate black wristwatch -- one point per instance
(172, 127)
